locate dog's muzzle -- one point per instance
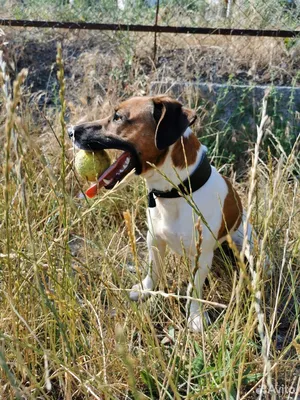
(91, 137)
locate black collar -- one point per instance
(198, 178)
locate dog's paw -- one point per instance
(139, 291)
(197, 323)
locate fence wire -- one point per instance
(267, 14)
(277, 14)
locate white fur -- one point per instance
(187, 132)
(172, 223)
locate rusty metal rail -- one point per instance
(149, 28)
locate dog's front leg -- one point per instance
(195, 321)
(156, 248)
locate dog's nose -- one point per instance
(71, 132)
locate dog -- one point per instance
(156, 139)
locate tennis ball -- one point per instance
(90, 165)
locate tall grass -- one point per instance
(67, 327)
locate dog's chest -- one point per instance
(174, 225)
(173, 220)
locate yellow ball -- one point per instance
(90, 165)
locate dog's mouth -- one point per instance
(124, 164)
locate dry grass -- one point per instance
(67, 327)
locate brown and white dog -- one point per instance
(155, 131)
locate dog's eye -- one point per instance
(117, 117)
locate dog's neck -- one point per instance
(156, 177)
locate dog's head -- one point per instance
(142, 127)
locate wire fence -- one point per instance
(218, 55)
(255, 14)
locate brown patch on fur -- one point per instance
(160, 159)
(232, 211)
(141, 129)
(189, 153)
(138, 128)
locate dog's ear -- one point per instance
(172, 120)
